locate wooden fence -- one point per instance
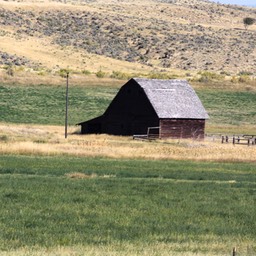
(242, 139)
(152, 134)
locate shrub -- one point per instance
(225, 73)
(206, 76)
(63, 72)
(41, 73)
(248, 21)
(234, 79)
(245, 73)
(86, 72)
(244, 79)
(4, 138)
(155, 75)
(120, 75)
(19, 68)
(100, 74)
(10, 71)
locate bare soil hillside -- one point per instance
(127, 35)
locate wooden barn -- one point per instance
(170, 108)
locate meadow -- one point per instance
(111, 195)
(126, 207)
(45, 104)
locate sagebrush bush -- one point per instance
(100, 74)
(206, 76)
(120, 75)
(157, 75)
(86, 72)
(244, 79)
(245, 73)
(63, 72)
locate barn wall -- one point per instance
(123, 126)
(182, 128)
(92, 126)
(119, 125)
(129, 113)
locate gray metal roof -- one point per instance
(173, 98)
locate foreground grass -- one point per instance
(101, 206)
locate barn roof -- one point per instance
(173, 98)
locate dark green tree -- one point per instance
(248, 21)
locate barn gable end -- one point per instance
(171, 105)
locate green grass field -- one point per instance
(46, 104)
(66, 205)
(194, 204)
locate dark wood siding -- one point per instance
(136, 108)
(129, 113)
(92, 126)
(182, 128)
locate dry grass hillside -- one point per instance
(127, 36)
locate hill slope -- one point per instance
(127, 35)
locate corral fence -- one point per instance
(152, 134)
(244, 139)
(238, 139)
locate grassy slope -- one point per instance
(41, 49)
(229, 107)
(157, 206)
(46, 105)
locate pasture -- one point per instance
(127, 207)
(233, 109)
(110, 195)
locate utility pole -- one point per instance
(66, 118)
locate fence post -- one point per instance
(222, 139)
(234, 140)
(234, 251)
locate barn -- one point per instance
(170, 108)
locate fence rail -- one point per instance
(242, 139)
(152, 134)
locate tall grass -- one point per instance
(39, 140)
